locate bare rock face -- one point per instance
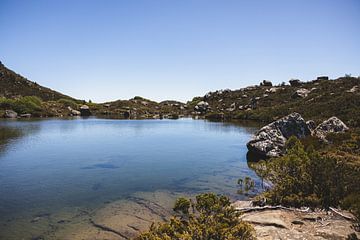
(10, 114)
(270, 140)
(332, 125)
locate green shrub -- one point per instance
(28, 104)
(68, 103)
(309, 178)
(212, 218)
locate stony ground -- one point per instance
(289, 224)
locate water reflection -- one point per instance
(82, 163)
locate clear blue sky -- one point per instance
(107, 50)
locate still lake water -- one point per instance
(54, 164)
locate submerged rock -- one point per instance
(270, 140)
(332, 125)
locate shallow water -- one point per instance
(52, 165)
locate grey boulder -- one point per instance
(270, 140)
(332, 125)
(10, 114)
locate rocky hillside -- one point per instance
(13, 85)
(319, 99)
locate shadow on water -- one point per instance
(8, 134)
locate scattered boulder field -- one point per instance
(270, 140)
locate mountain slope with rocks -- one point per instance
(318, 100)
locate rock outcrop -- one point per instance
(85, 110)
(270, 140)
(202, 107)
(332, 125)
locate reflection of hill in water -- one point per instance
(10, 134)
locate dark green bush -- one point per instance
(68, 103)
(309, 178)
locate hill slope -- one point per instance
(13, 85)
(317, 100)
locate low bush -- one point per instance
(311, 178)
(210, 217)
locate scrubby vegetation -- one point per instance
(323, 176)
(210, 217)
(324, 99)
(27, 104)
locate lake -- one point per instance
(55, 174)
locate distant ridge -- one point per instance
(13, 85)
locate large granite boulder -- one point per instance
(85, 110)
(332, 125)
(10, 114)
(270, 140)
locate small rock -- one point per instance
(266, 83)
(323, 78)
(353, 89)
(295, 82)
(300, 93)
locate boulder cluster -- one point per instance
(270, 140)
